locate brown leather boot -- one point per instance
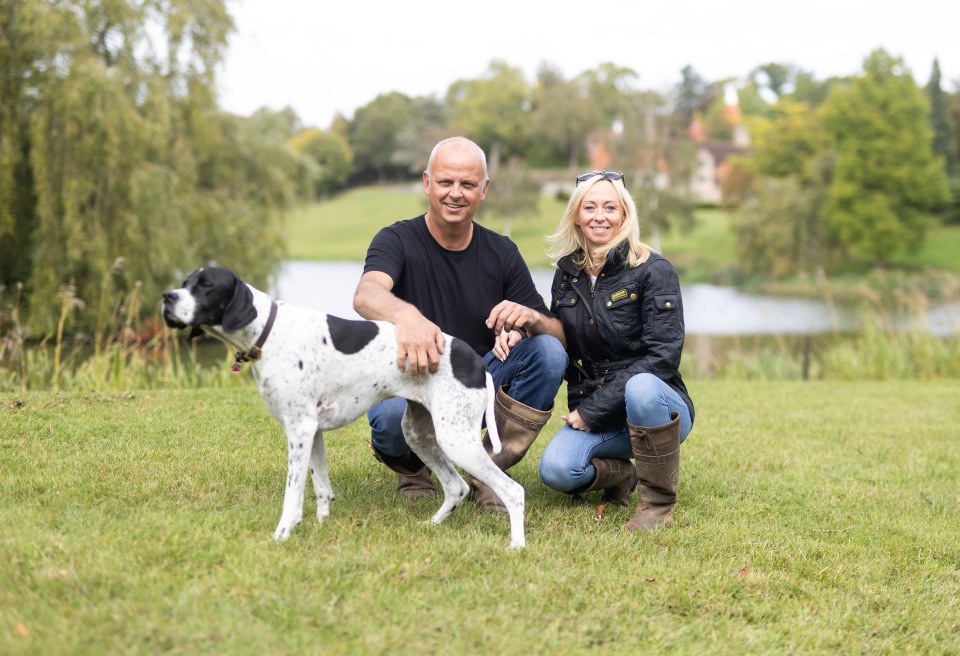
(417, 486)
(657, 453)
(616, 478)
(413, 477)
(518, 426)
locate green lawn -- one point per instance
(341, 229)
(941, 249)
(813, 518)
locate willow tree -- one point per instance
(117, 167)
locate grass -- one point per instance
(814, 517)
(939, 250)
(341, 228)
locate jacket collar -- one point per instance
(616, 260)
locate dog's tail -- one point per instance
(491, 419)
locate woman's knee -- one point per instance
(643, 390)
(558, 469)
(646, 401)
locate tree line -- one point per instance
(119, 171)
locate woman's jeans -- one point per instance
(532, 373)
(565, 465)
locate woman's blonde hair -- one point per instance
(568, 239)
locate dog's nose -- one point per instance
(170, 297)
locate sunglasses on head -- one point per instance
(606, 175)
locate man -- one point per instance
(442, 272)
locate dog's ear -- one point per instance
(239, 311)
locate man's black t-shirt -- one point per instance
(454, 289)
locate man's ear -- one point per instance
(239, 311)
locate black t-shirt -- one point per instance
(454, 289)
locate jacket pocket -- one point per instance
(566, 299)
(669, 314)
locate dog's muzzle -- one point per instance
(170, 300)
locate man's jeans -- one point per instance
(565, 465)
(532, 373)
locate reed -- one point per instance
(893, 341)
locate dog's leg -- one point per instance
(418, 431)
(463, 445)
(300, 431)
(321, 478)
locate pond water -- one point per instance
(708, 309)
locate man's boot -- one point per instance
(413, 477)
(518, 426)
(616, 478)
(657, 453)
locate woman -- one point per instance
(622, 314)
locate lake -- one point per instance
(708, 309)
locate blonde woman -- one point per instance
(622, 315)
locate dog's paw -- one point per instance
(283, 532)
(323, 508)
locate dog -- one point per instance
(317, 372)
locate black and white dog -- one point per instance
(318, 372)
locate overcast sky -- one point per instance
(321, 57)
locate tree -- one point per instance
(941, 121)
(491, 110)
(560, 119)
(331, 157)
(645, 148)
(688, 95)
(780, 189)
(775, 78)
(427, 127)
(785, 143)
(945, 140)
(887, 179)
(778, 227)
(113, 150)
(374, 134)
(516, 195)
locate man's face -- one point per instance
(457, 187)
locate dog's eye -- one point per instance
(205, 283)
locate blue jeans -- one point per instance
(532, 373)
(565, 464)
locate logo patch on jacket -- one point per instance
(618, 295)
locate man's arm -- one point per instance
(419, 341)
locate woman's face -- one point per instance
(601, 215)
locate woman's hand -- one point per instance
(506, 340)
(574, 420)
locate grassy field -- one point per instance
(341, 229)
(813, 518)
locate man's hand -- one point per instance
(511, 316)
(514, 316)
(419, 341)
(419, 344)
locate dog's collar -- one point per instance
(256, 350)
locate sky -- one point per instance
(324, 58)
